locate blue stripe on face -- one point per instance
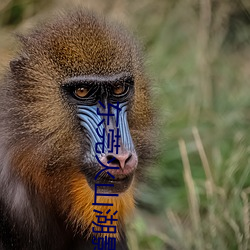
(89, 119)
(124, 129)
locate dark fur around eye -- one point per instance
(98, 88)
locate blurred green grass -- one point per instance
(197, 192)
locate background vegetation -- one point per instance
(197, 193)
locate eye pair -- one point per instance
(82, 92)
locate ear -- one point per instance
(15, 64)
(18, 63)
(22, 39)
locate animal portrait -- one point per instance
(60, 94)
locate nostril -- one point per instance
(128, 158)
(111, 158)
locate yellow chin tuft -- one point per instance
(82, 211)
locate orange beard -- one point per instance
(81, 210)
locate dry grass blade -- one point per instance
(204, 160)
(246, 220)
(192, 197)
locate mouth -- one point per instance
(119, 184)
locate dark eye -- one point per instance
(81, 92)
(119, 89)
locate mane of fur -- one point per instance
(40, 146)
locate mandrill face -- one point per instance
(76, 113)
(102, 102)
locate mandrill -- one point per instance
(75, 135)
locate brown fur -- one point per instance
(40, 135)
